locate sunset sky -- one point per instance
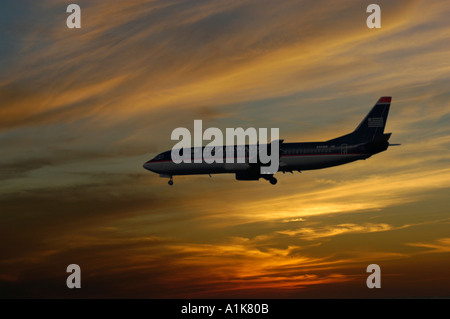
(82, 110)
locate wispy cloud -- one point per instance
(441, 245)
(329, 231)
(83, 109)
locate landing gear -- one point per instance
(272, 180)
(170, 181)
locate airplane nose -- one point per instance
(147, 165)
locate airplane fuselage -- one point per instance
(293, 157)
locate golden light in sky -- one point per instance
(82, 109)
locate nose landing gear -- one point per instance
(170, 181)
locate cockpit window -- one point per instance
(158, 157)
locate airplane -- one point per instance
(366, 140)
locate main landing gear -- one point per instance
(272, 180)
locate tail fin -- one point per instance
(372, 127)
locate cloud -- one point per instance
(441, 245)
(142, 60)
(329, 231)
(83, 109)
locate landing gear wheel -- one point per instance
(171, 181)
(273, 181)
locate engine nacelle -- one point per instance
(248, 176)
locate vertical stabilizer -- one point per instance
(373, 124)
